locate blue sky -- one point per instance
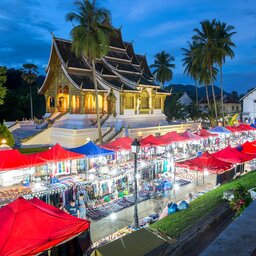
(152, 25)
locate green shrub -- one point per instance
(242, 199)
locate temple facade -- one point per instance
(125, 84)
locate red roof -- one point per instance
(205, 134)
(232, 155)
(122, 143)
(172, 137)
(190, 136)
(55, 154)
(206, 162)
(249, 148)
(31, 227)
(12, 159)
(150, 140)
(233, 128)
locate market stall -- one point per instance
(208, 164)
(31, 227)
(59, 161)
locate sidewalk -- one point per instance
(123, 218)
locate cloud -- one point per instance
(170, 26)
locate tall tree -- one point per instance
(3, 72)
(5, 134)
(29, 75)
(162, 67)
(208, 50)
(90, 38)
(224, 33)
(192, 65)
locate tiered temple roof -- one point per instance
(120, 69)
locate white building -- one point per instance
(185, 99)
(249, 106)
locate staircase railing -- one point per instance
(104, 135)
(115, 135)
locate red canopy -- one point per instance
(246, 127)
(122, 143)
(190, 135)
(249, 148)
(31, 227)
(55, 154)
(232, 155)
(171, 137)
(12, 159)
(233, 129)
(205, 134)
(150, 140)
(206, 162)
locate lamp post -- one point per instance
(135, 149)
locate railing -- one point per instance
(104, 135)
(115, 135)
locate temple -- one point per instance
(125, 84)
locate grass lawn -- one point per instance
(174, 224)
(32, 150)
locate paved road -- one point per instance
(107, 226)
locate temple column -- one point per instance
(69, 103)
(82, 111)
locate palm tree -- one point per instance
(29, 75)
(208, 49)
(90, 38)
(224, 33)
(163, 67)
(192, 66)
(206, 77)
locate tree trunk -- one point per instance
(213, 94)
(207, 97)
(221, 92)
(196, 95)
(97, 102)
(31, 103)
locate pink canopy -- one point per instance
(206, 162)
(190, 135)
(122, 143)
(150, 140)
(172, 137)
(232, 155)
(205, 134)
(29, 227)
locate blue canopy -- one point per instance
(91, 150)
(253, 125)
(219, 129)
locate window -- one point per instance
(205, 107)
(233, 108)
(129, 102)
(52, 102)
(237, 108)
(158, 103)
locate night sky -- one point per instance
(152, 25)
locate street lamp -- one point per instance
(135, 149)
